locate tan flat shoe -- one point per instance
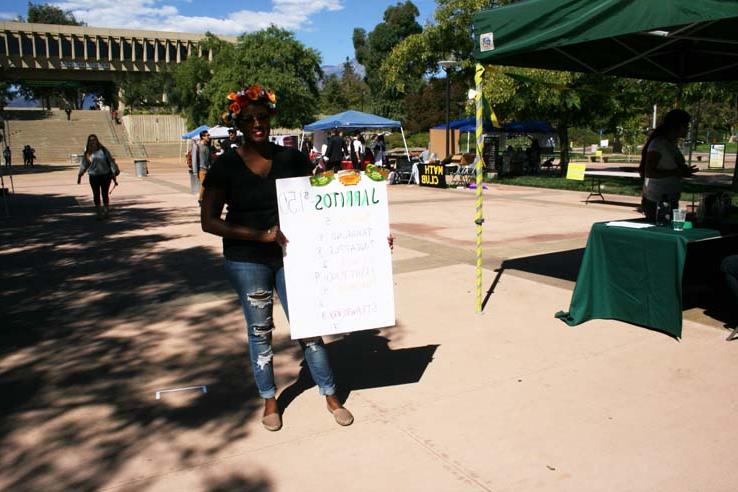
(342, 416)
(272, 422)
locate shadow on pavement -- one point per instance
(88, 316)
(37, 168)
(563, 265)
(363, 360)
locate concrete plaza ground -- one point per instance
(97, 317)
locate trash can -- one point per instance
(194, 183)
(141, 168)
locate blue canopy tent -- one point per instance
(469, 125)
(196, 132)
(355, 120)
(526, 126)
(466, 125)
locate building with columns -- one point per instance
(47, 52)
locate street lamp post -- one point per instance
(447, 65)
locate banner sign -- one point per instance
(432, 175)
(576, 171)
(717, 156)
(337, 264)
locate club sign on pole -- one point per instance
(338, 265)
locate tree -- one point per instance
(145, 91)
(418, 54)
(50, 14)
(344, 93)
(276, 60)
(428, 105)
(371, 49)
(271, 57)
(332, 99)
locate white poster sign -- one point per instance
(717, 156)
(338, 265)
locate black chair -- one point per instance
(403, 171)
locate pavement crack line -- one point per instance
(467, 475)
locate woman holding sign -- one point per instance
(244, 179)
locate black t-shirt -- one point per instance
(251, 200)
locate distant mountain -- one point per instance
(338, 69)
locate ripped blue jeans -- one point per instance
(255, 284)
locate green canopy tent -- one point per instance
(676, 41)
(668, 40)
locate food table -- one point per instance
(634, 275)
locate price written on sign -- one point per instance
(338, 266)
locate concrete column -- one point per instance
(133, 48)
(176, 46)
(97, 48)
(20, 43)
(110, 48)
(84, 47)
(59, 43)
(33, 45)
(74, 49)
(156, 50)
(46, 41)
(166, 50)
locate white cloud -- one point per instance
(8, 15)
(162, 15)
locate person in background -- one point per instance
(201, 159)
(307, 147)
(7, 155)
(68, 111)
(102, 169)
(356, 148)
(28, 156)
(663, 165)
(244, 179)
(335, 151)
(380, 158)
(233, 140)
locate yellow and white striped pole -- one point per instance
(479, 216)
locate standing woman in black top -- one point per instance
(243, 178)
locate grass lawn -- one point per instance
(611, 186)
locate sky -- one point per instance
(325, 25)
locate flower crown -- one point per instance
(244, 97)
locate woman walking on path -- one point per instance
(663, 165)
(244, 179)
(102, 169)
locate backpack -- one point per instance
(188, 159)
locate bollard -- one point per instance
(141, 168)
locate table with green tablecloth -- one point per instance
(633, 275)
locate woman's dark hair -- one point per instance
(673, 119)
(99, 144)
